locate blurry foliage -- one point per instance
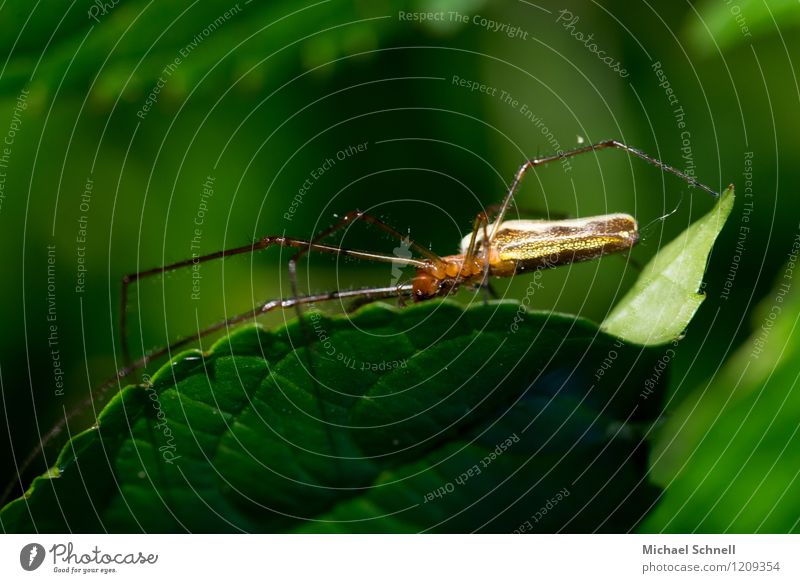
(727, 25)
(730, 455)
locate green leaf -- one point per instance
(666, 296)
(429, 418)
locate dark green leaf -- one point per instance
(436, 418)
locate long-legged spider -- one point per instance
(495, 248)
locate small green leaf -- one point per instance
(666, 296)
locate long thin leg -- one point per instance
(481, 221)
(258, 245)
(366, 300)
(485, 283)
(260, 310)
(583, 150)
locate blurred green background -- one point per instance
(118, 116)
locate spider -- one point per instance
(495, 248)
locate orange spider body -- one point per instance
(519, 246)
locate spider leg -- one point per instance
(584, 150)
(262, 243)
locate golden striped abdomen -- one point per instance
(526, 245)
